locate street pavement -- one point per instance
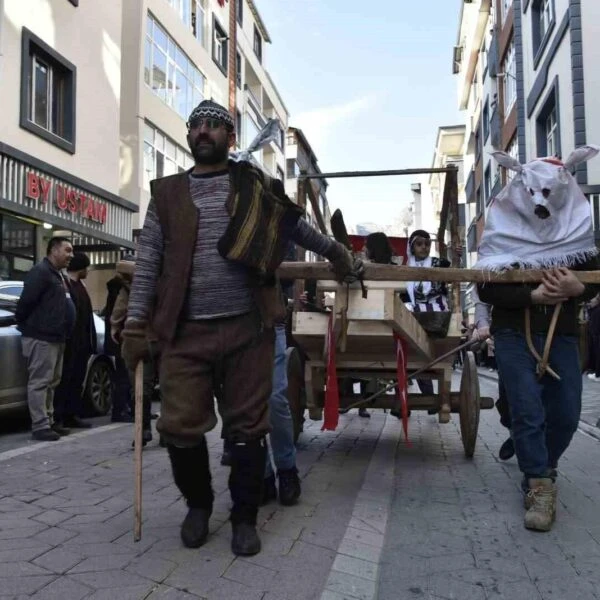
(377, 519)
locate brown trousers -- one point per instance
(230, 359)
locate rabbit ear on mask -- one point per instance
(507, 161)
(580, 155)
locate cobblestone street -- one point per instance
(377, 519)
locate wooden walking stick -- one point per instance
(139, 409)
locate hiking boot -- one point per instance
(289, 486)
(541, 504)
(245, 540)
(194, 528)
(45, 435)
(58, 428)
(269, 490)
(507, 450)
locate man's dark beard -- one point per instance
(203, 156)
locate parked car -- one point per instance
(97, 387)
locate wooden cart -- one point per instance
(364, 329)
(365, 352)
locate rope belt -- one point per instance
(542, 361)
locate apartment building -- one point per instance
(175, 54)
(59, 161)
(526, 81)
(300, 158)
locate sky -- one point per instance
(369, 83)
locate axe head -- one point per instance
(338, 227)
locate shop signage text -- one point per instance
(65, 198)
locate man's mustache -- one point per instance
(204, 140)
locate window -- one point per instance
(542, 21)
(280, 174)
(193, 14)
(281, 141)
(509, 68)
(239, 11)
(548, 125)
(505, 6)
(17, 249)
(257, 44)
(169, 73)
(238, 70)
(551, 133)
(199, 21)
(292, 168)
(513, 150)
(238, 127)
(487, 183)
(219, 48)
(162, 156)
(47, 93)
(485, 116)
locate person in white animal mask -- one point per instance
(542, 220)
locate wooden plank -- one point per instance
(375, 272)
(401, 320)
(330, 285)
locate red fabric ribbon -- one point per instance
(402, 394)
(332, 396)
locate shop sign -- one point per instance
(65, 198)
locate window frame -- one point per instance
(257, 44)
(178, 151)
(539, 39)
(239, 12)
(238, 70)
(550, 105)
(33, 46)
(485, 118)
(510, 77)
(224, 44)
(172, 69)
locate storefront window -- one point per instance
(17, 247)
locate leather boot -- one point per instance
(191, 472)
(289, 486)
(246, 488)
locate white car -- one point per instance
(98, 385)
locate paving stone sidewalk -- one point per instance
(455, 530)
(66, 522)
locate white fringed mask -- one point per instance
(541, 218)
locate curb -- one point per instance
(34, 446)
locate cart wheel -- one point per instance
(295, 391)
(469, 404)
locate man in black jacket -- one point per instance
(45, 316)
(68, 405)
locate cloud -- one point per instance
(318, 124)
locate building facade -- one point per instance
(526, 83)
(177, 53)
(59, 161)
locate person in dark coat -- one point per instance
(122, 406)
(68, 402)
